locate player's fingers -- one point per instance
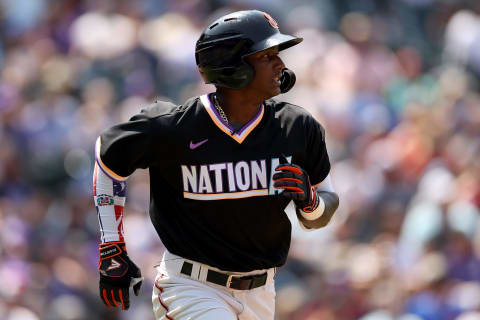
(294, 180)
(114, 300)
(290, 168)
(294, 195)
(285, 174)
(104, 296)
(287, 183)
(291, 189)
(124, 299)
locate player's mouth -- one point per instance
(277, 79)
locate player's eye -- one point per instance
(268, 56)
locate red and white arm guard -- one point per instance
(109, 196)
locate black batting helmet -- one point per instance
(221, 48)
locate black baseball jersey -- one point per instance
(212, 196)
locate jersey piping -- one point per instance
(242, 134)
(102, 166)
(229, 195)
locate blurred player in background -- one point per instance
(223, 167)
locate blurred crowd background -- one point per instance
(395, 83)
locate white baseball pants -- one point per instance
(180, 297)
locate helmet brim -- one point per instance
(283, 41)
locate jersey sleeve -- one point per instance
(123, 148)
(317, 160)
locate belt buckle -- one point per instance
(229, 280)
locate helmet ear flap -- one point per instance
(220, 61)
(234, 77)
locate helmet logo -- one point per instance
(272, 21)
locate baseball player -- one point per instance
(223, 167)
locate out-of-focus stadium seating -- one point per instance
(395, 83)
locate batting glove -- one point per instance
(296, 185)
(117, 274)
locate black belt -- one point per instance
(229, 281)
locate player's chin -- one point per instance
(274, 90)
(270, 91)
(271, 94)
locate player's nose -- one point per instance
(278, 63)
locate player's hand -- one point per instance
(117, 274)
(296, 185)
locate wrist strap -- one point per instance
(312, 206)
(112, 249)
(315, 213)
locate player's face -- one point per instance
(268, 66)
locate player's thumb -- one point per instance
(136, 283)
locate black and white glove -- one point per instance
(117, 274)
(296, 185)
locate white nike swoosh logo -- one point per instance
(196, 145)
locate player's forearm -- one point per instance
(109, 197)
(330, 202)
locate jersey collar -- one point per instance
(239, 135)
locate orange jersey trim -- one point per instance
(244, 132)
(102, 165)
(221, 196)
